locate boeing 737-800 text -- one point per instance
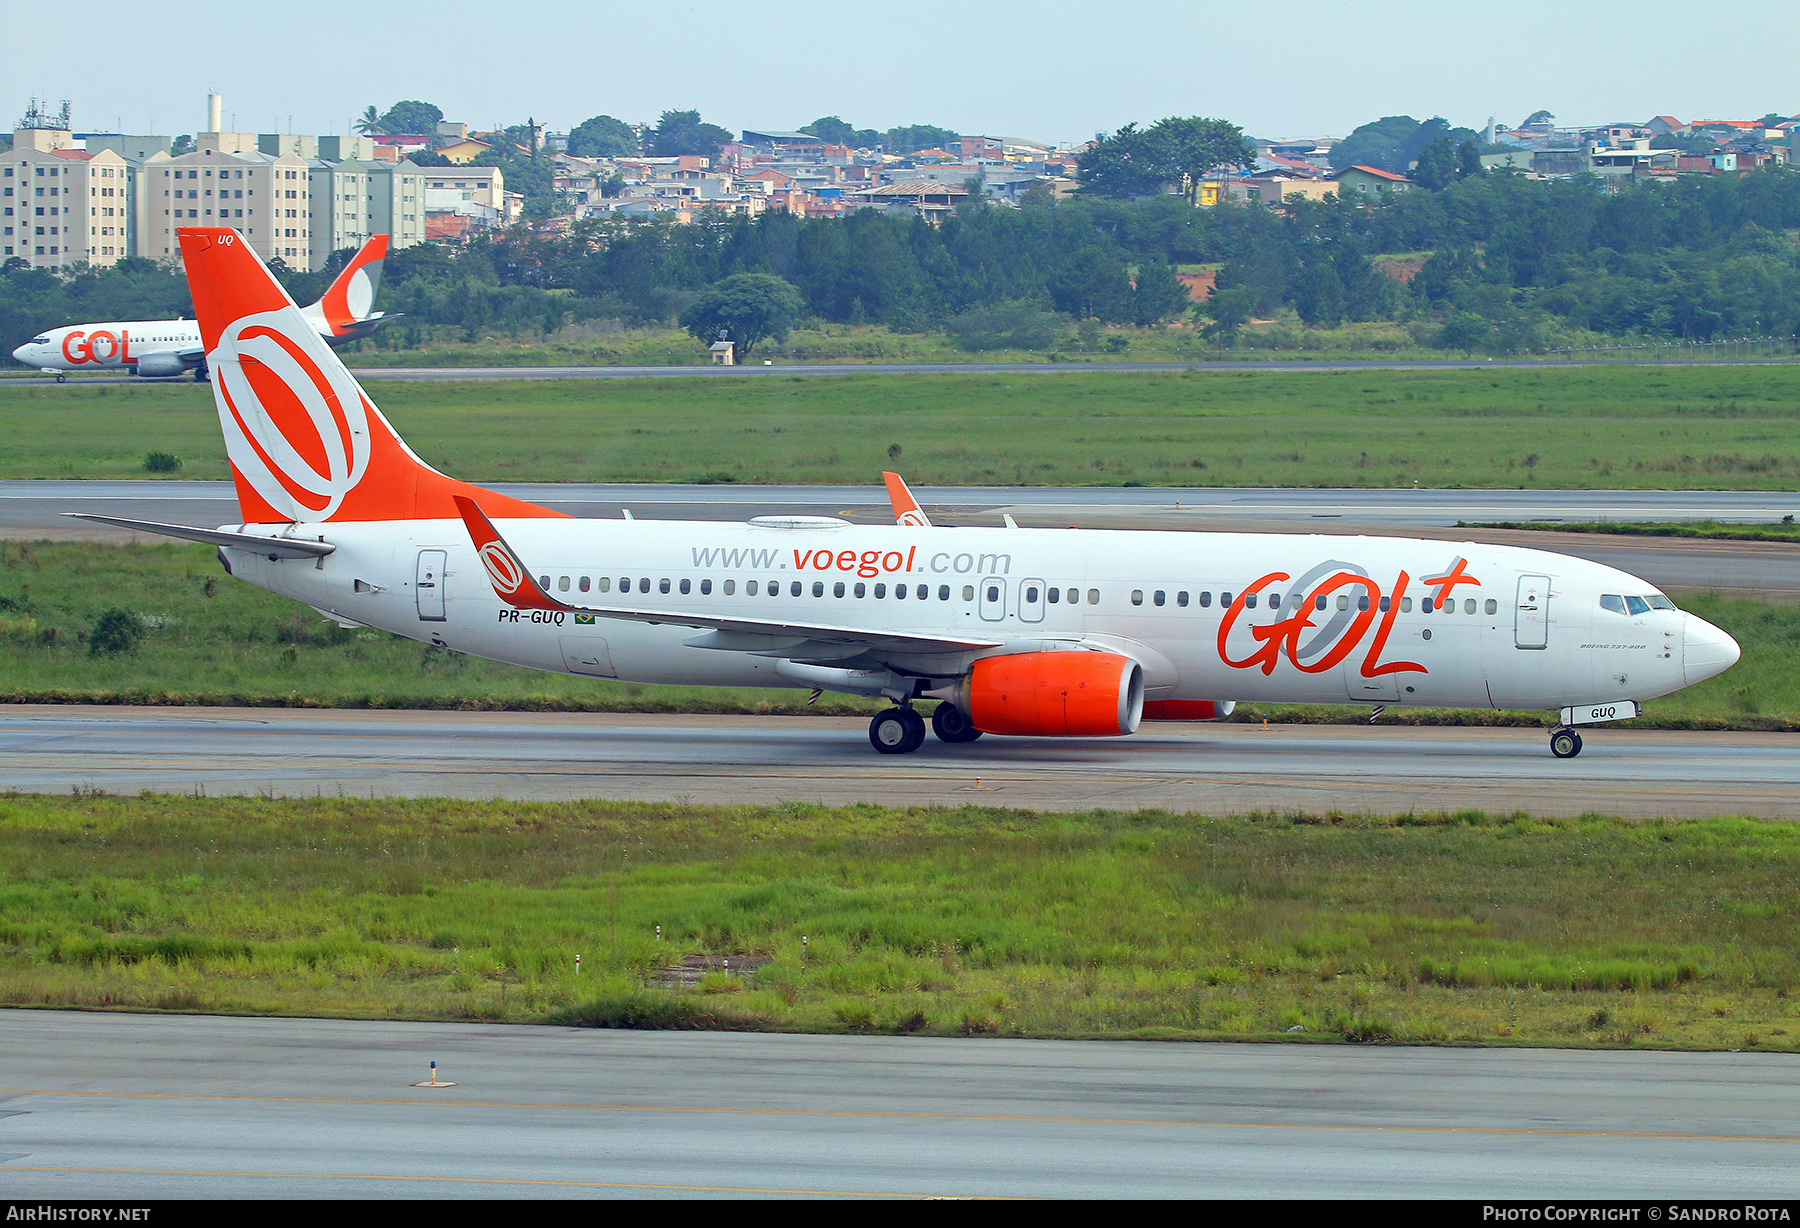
(166, 348)
(1045, 632)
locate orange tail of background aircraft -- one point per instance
(305, 442)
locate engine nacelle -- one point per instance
(1189, 709)
(161, 366)
(1053, 694)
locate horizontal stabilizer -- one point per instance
(280, 547)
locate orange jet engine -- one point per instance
(1052, 694)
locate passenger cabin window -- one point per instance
(1159, 597)
(968, 592)
(1406, 605)
(1493, 607)
(605, 584)
(943, 592)
(562, 584)
(1093, 596)
(1137, 596)
(1206, 600)
(1181, 598)
(687, 586)
(585, 584)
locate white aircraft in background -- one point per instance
(1038, 632)
(165, 348)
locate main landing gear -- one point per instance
(900, 730)
(951, 724)
(61, 378)
(1565, 743)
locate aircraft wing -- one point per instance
(513, 581)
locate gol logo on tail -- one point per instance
(502, 568)
(296, 425)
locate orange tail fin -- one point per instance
(352, 293)
(305, 442)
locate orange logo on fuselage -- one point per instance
(1342, 632)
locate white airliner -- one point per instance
(1044, 632)
(164, 348)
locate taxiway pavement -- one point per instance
(725, 760)
(97, 1106)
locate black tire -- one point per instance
(898, 731)
(1565, 743)
(62, 379)
(951, 724)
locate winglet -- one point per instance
(906, 508)
(507, 574)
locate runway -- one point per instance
(1757, 569)
(756, 370)
(98, 1106)
(725, 760)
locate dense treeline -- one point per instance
(1516, 263)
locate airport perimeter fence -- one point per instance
(1726, 349)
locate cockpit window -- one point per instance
(1637, 605)
(1613, 602)
(44, 340)
(1660, 602)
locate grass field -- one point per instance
(1615, 427)
(1787, 531)
(604, 343)
(1431, 929)
(216, 640)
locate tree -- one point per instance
(911, 138)
(1463, 331)
(1436, 169)
(603, 137)
(1393, 142)
(1536, 117)
(1191, 149)
(1174, 150)
(1121, 165)
(1227, 311)
(1020, 325)
(370, 123)
(1319, 298)
(680, 133)
(831, 130)
(412, 117)
(1468, 160)
(1158, 294)
(425, 157)
(184, 144)
(748, 306)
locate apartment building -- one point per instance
(356, 198)
(268, 198)
(62, 206)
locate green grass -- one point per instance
(1786, 531)
(216, 640)
(1427, 929)
(1612, 427)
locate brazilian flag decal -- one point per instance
(584, 620)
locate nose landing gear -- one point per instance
(1565, 743)
(898, 731)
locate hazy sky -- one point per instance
(1056, 70)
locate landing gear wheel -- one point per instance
(62, 379)
(951, 724)
(1565, 743)
(202, 375)
(898, 731)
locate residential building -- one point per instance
(62, 206)
(354, 199)
(268, 198)
(1371, 181)
(924, 198)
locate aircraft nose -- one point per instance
(23, 354)
(1705, 651)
